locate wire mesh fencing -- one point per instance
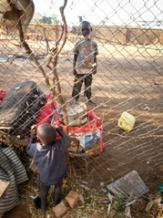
(129, 73)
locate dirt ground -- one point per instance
(129, 79)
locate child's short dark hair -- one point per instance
(87, 23)
(47, 133)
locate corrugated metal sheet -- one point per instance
(130, 184)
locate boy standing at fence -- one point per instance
(84, 63)
(50, 159)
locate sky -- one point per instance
(118, 12)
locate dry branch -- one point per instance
(54, 70)
(46, 41)
(30, 53)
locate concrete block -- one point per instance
(72, 198)
(60, 209)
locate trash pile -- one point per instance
(85, 128)
(24, 105)
(130, 197)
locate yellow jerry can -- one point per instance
(126, 121)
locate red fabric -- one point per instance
(2, 94)
(47, 111)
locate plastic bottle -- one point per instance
(126, 121)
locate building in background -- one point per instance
(155, 24)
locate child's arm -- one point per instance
(33, 136)
(94, 69)
(76, 53)
(74, 64)
(29, 149)
(65, 140)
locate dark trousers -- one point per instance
(44, 194)
(79, 80)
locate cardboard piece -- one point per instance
(3, 187)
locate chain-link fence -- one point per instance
(129, 74)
